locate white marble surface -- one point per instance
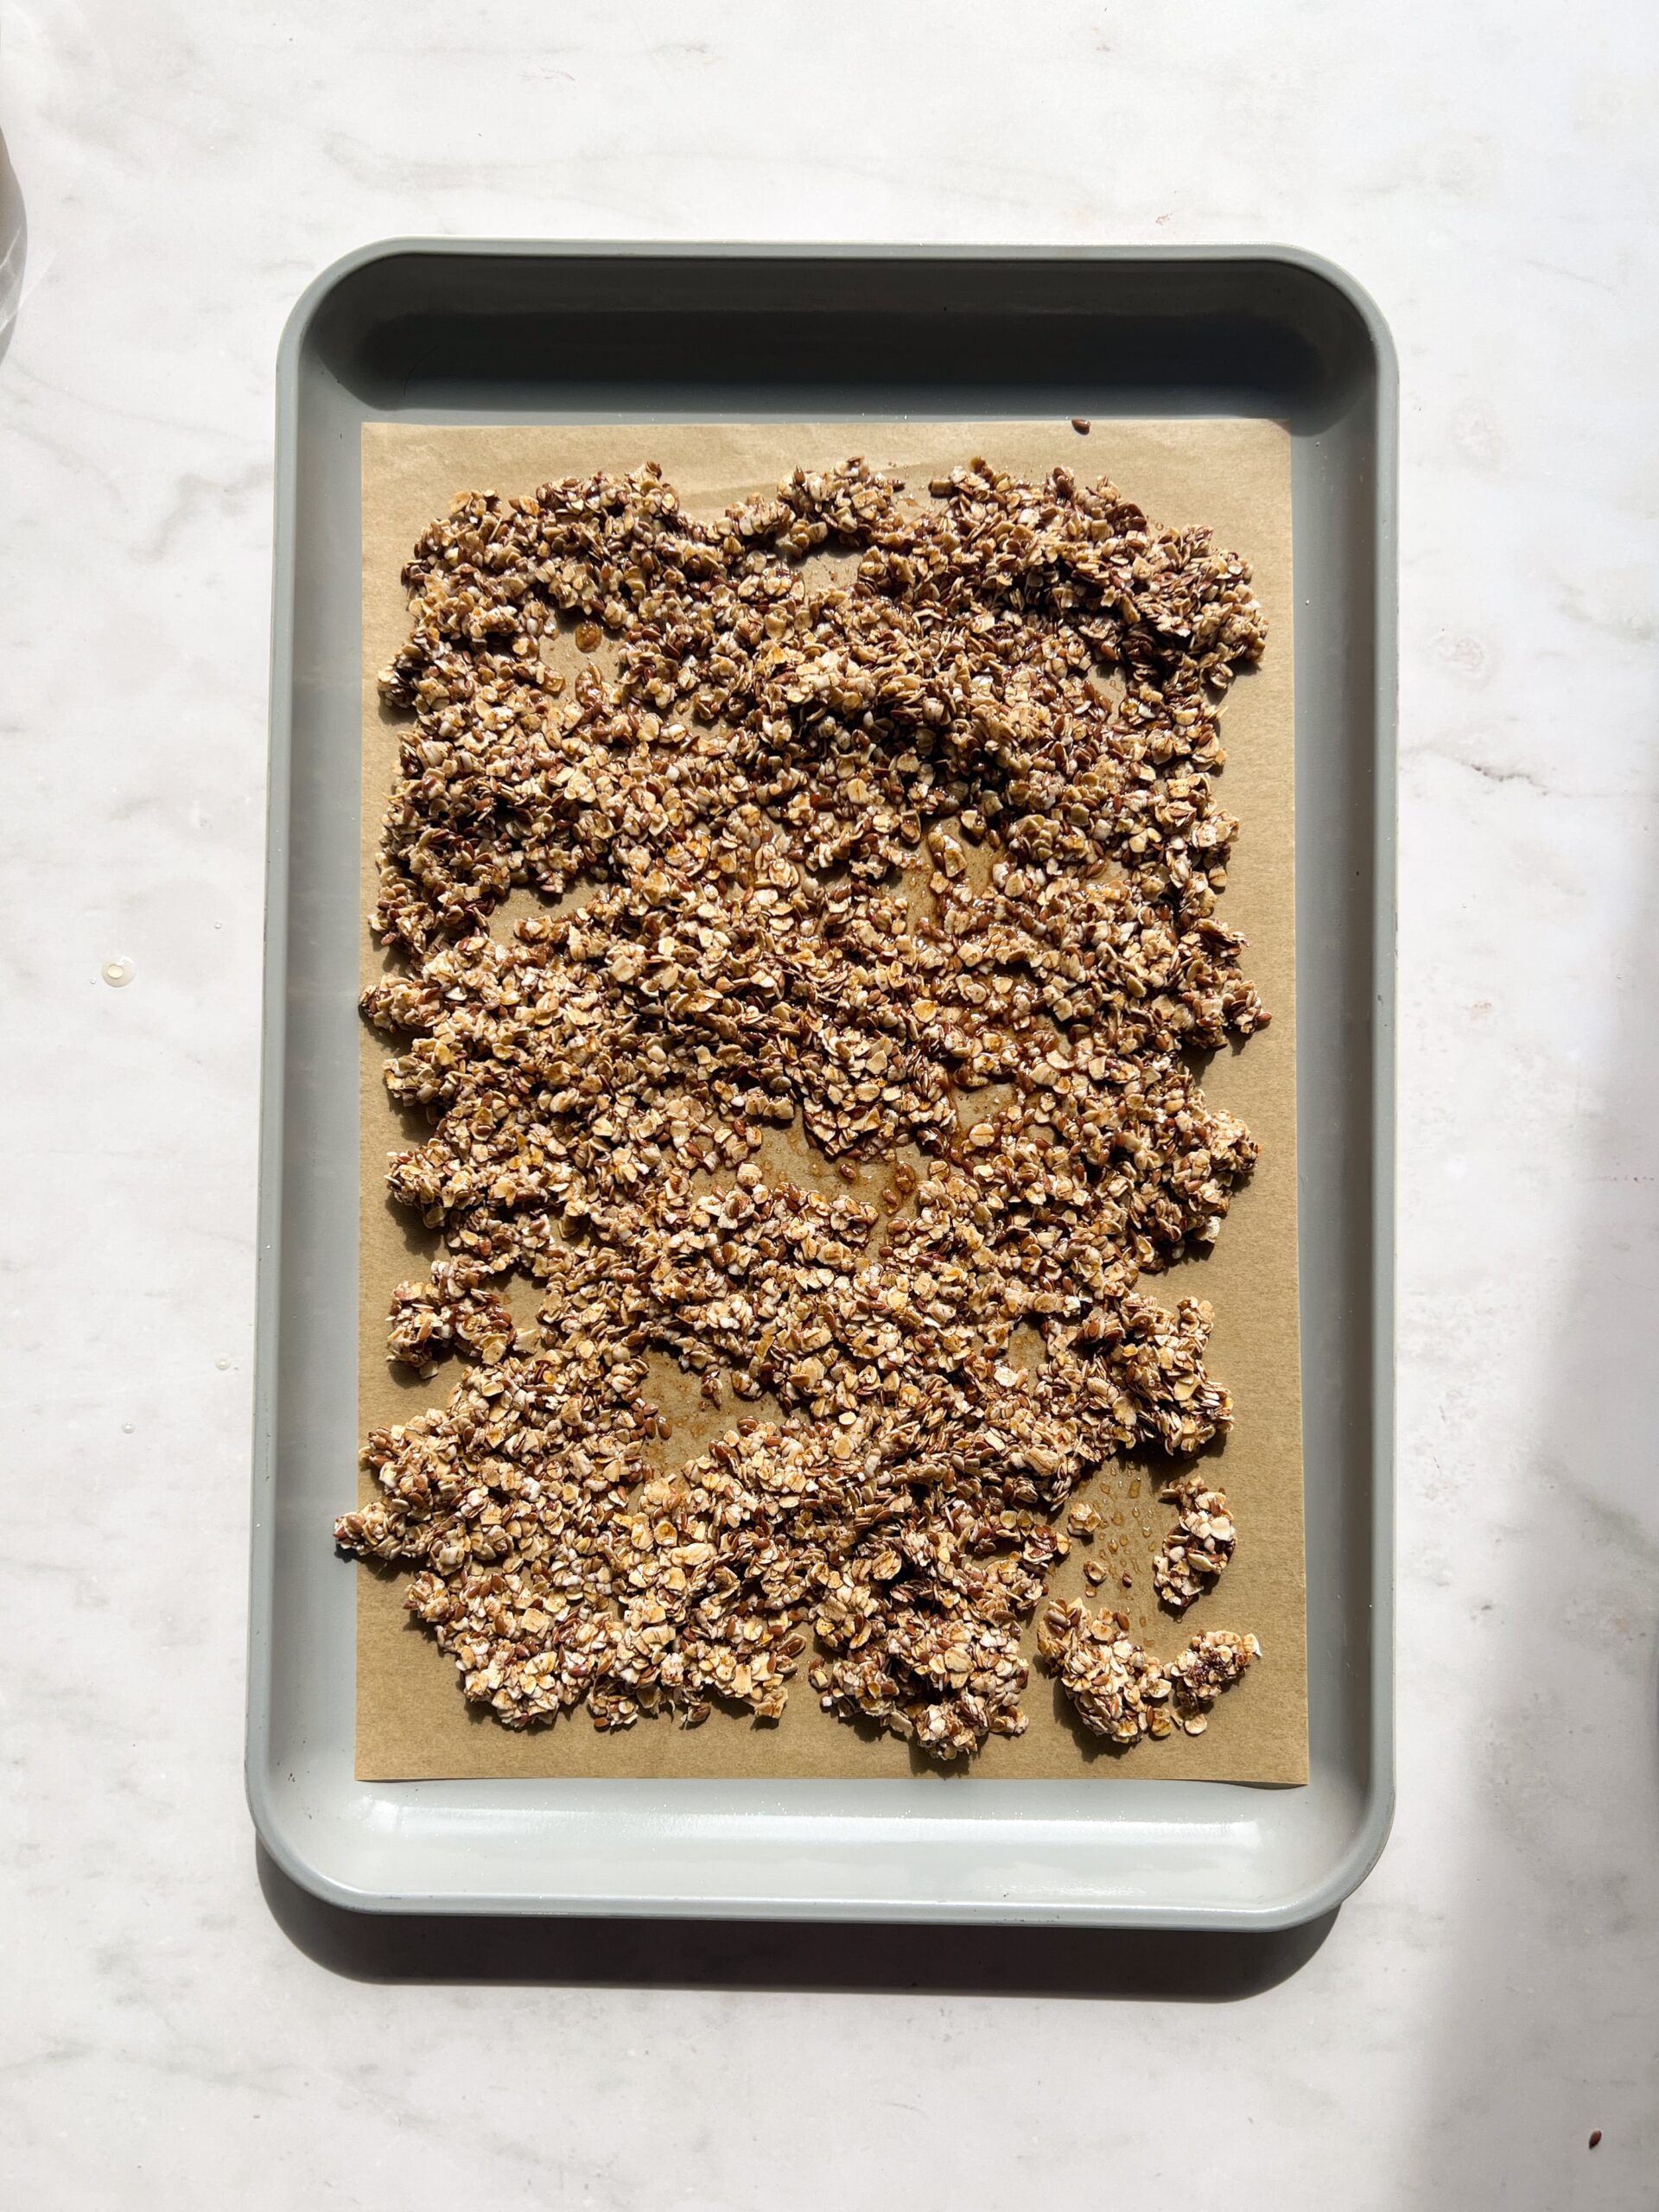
(1491, 173)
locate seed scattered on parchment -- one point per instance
(918, 855)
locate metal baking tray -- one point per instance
(444, 331)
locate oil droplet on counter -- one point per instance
(221, 1364)
(126, 1428)
(117, 974)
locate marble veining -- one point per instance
(1488, 1997)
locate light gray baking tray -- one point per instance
(441, 331)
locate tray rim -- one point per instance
(1372, 1830)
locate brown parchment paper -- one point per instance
(412, 1721)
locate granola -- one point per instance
(919, 855)
(1119, 1690)
(1198, 1548)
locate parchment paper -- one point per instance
(412, 1721)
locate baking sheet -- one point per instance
(1234, 475)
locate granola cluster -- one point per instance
(1198, 1547)
(913, 851)
(1120, 1691)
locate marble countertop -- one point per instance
(175, 2032)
